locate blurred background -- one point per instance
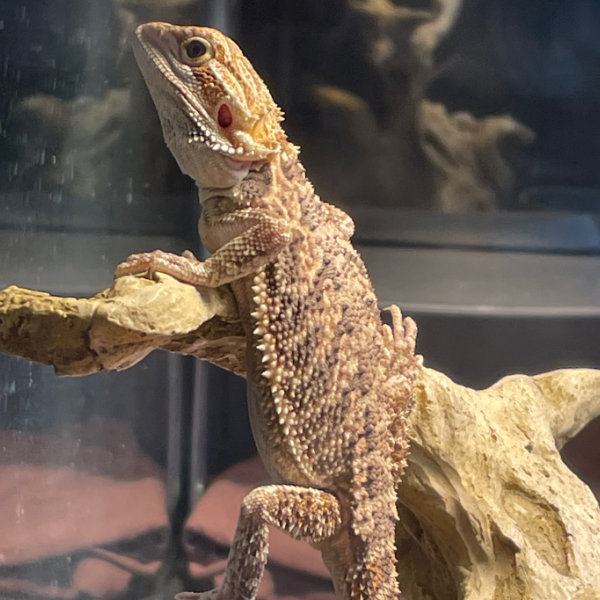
(461, 135)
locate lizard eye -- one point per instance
(196, 51)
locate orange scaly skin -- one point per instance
(329, 386)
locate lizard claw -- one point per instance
(189, 255)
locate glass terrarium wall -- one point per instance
(460, 135)
(452, 105)
(91, 469)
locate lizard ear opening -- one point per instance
(225, 116)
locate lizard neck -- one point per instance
(277, 186)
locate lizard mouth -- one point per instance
(201, 133)
(238, 155)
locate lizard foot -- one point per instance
(403, 332)
(146, 261)
(186, 268)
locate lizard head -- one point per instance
(216, 113)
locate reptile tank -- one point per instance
(460, 135)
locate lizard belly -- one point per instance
(271, 444)
(279, 444)
(268, 437)
(300, 389)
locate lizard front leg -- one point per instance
(304, 513)
(260, 239)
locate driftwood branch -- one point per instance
(488, 509)
(121, 325)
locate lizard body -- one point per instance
(329, 386)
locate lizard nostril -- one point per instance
(225, 117)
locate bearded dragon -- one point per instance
(329, 386)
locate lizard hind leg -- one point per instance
(304, 513)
